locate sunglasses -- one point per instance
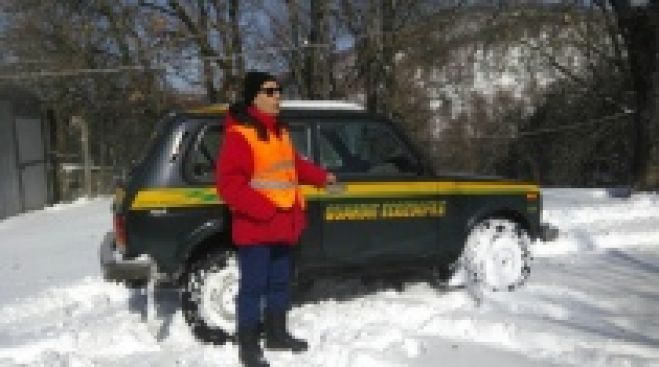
(271, 91)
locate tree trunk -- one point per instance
(296, 58)
(237, 59)
(320, 30)
(370, 58)
(638, 26)
(388, 58)
(208, 78)
(317, 73)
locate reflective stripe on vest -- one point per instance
(265, 184)
(274, 168)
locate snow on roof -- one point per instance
(321, 105)
(220, 108)
(214, 108)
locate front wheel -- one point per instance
(209, 296)
(496, 255)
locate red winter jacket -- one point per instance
(255, 219)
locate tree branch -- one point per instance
(570, 75)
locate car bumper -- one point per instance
(116, 268)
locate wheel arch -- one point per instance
(211, 236)
(502, 213)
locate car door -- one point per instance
(309, 253)
(383, 208)
(200, 171)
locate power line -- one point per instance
(552, 130)
(576, 125)
(269, 50)
(75, 72)
(189, 58)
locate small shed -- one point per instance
(23, 147)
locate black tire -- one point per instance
(441, 276)
(496, 256)
(208, 297)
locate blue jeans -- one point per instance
(264, 273)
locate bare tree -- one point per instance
(97, 65)
(639, 27)
(213, 29)
(295, 57)
(318, 61)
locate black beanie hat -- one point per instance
(252, 84)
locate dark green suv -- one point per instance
(388, 211)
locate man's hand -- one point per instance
(331, 178)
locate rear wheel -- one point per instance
(209, 297)
(496, 255)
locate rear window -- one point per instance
(200, 162)
(151, 143)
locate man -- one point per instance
(257, 176)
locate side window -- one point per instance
(200, 162)
(364, 148)
(301, 140)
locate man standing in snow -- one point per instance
(258, 176)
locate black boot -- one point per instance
(277, 336)
(249, 350)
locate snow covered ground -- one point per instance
(592, 300)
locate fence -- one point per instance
(72, 181)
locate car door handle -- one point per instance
(336, 188)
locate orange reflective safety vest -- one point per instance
(274, 173)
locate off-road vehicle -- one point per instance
(389, 210)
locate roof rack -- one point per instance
(330, 105)
(321, 105)
(217, 108)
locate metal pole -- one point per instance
(86, 158)
(19, 166)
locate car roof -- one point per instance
(293, 108)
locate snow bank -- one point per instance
(590, 219)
